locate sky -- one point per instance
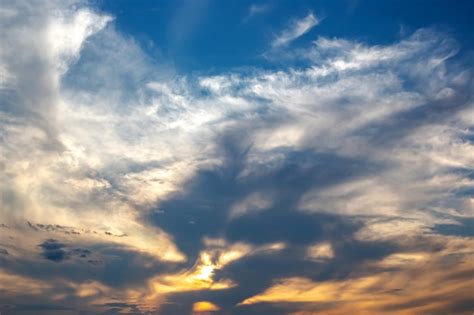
(236, 157)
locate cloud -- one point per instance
(321, 251)
(296, 29)
(32, 98)
(205, 306)
(53, 250)
(401, 285)
(256, 9)
(349, 172)
(56, 251)
(254, 202)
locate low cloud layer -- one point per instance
(128, 188)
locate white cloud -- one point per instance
(321, 251)
(256, 9)
(297, 29)
(254, 203)
(67, 32)
(49, 174)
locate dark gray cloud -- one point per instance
(37, 308)
(57, 251)
(53, 250)
(208, 203)
(210, 195)
(464, 227)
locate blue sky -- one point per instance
(236, 157)
(215, 35)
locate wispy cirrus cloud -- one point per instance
(256, 9)
(297, 28)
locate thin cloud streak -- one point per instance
(296, 29)
(256, 9)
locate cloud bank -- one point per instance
(128, 188)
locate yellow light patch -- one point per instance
(205, 306)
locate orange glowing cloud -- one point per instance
(205, 306)
(411, 283)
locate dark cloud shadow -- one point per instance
(203, 211)
(465, 228)
(53, 250)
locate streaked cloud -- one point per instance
(296, 29)
(412, 283)
(256, 9)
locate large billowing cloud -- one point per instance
(129, 188)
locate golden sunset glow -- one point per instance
(204, 306)
(236, 157)
(419, 276)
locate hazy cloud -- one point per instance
(256, 9)
(296, 29)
